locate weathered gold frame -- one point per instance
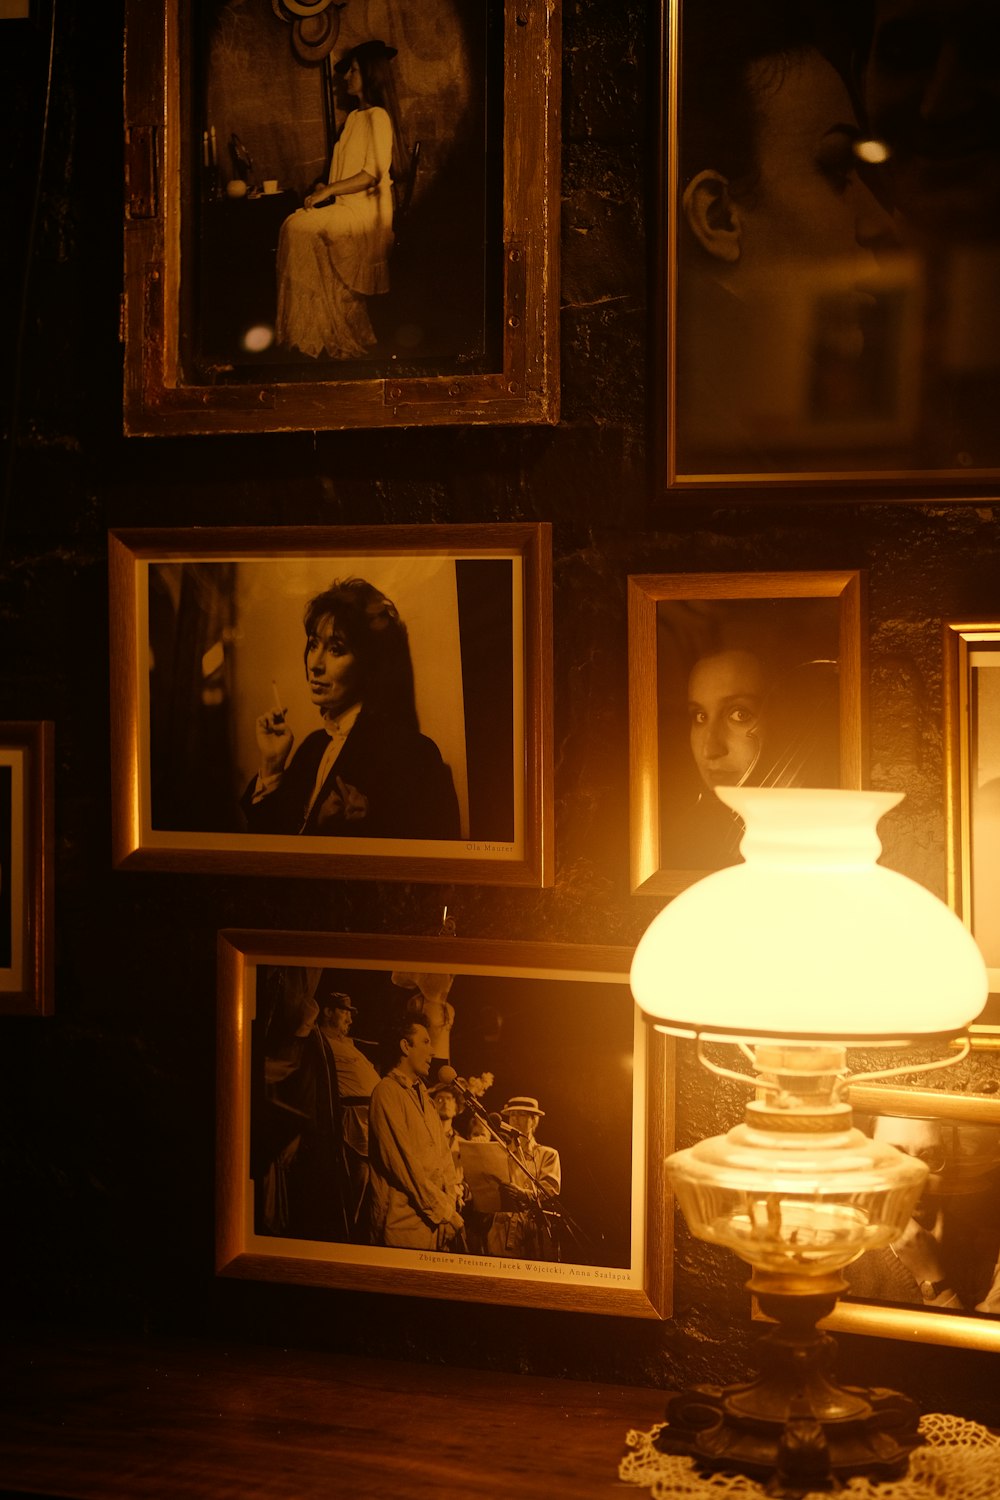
(645, 591)
(648, 1292)
(960, 638)
(528, 542)
(160, 401)
(30, 991)
(919, 1325)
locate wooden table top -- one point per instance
(89, 1418)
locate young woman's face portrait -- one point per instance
(808, 202)
(332, 670)
(725, 700)
(353, 81)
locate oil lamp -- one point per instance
(806, 948)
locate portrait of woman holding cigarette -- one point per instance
(367, 771)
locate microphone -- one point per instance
(448, 1076)
(501, 1125)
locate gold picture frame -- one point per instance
(972, 766)
(532, 1017)
(27, 867)
(805, 633)
(476, 218)
(207, 635)
(864, 351)
(969, 1123)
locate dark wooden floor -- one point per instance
(92, 1419)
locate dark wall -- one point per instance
(107, 1110)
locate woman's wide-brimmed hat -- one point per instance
(364, 52)
(525, 1103)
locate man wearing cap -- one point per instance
(356, 1078)
(522, 1229)
(413, 1181)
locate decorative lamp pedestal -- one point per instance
(793, 1424)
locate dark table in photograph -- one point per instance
(91, 1418)
(237, 286)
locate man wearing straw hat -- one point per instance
(523, 1228)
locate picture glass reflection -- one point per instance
(835, 237)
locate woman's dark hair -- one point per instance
(379, 82)
(377, 77)
(800, 718)
(376, 637)
(803, 719)
(721, 41)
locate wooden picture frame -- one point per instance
(468, 329)
(552, 1021)
(967, 1126)
(972, 768)
(27, 867)
(207, 635)
(839, 322)
(794, 643)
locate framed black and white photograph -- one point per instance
(340, 215)
(831, 241)
(27, 868)
(972, 768)
(939, 1283)
(365, 702)
(735, 679)
(477, 1120)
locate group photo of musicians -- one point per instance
(469, 1114)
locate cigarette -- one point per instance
(279, 707)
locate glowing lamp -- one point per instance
(806, 948)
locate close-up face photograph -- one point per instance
(833, 227)
(727, 691)
(749, 696)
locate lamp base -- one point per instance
(793, 1425)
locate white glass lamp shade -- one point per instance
(809, 937)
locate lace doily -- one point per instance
(959, 1459)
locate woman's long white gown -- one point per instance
(330, 259)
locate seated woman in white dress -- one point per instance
(333, 253)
